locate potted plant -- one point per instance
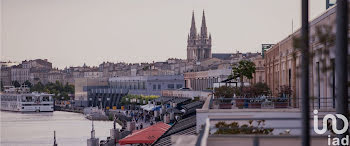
(284, 94)
(253, 127)
(252, 100)
(224, 94)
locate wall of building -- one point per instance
(20, 74)
(259, 75)
(203, 95)
(282, 65)
(147, 85)
(82, 86)
(205, 79)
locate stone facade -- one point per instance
(5, 76)
(282, 65)
(20, 74)
(259, 75)
(198, 45)
(147, 85)
(203, 80)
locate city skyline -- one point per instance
(73, 33)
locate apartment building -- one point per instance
(282, 63)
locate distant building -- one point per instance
(84, 85)
(93, 74)
(198, 45)
(37, 63)
(147, 85)
(5, 76)
(202, 95)
(222, 56)
(235, 57)
(8, 63)
(20, 74)
(283, 65)
(203, 80)
(259, 75)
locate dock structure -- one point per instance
(114, 132)
(93, 141)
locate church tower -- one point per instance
(198, 45)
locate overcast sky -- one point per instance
(71, 32)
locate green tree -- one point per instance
(39, 87)
(16, 84)
(244, 68)
(224, 91)
(59, 90)
(261, 88)
(2, 86)
(28, 84)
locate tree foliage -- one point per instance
(261, 88)
(58, 89)
(28, 84)
(128, 98)
(16, 84)
(245, 68)
(253, 127)
(224, 91)
(2, 86)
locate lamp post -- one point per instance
(341, 68)
(305, 72)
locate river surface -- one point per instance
(36, 129)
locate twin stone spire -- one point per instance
(198, 45)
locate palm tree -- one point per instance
(245, 68)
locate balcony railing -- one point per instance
(267, 131)
(269, 102)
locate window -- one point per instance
(170, 86)
(178, 86)
(260, 78)
(289, 77)
(46, 98)
(154, 87)
(333, 81)
(318, 83)
(159, 86)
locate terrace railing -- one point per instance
(273, 131)
(269, 102)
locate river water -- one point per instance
(36, 129)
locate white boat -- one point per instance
(21, 100)
(95, 113)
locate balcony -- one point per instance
(262, 131)
(263, 102)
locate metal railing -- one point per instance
(286, 129)
(269, 102)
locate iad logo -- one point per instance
(335, 141)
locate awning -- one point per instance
(147, 135)
(149, 107)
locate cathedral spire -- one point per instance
(204, 33)
(193, 30)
